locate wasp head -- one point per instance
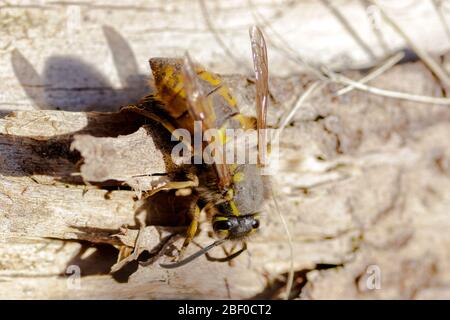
(235, 227)
(235, 216)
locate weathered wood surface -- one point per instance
(42, 43)
(364, 181)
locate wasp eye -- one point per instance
(222, 225)
(255, 224)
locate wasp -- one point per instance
(231, 195)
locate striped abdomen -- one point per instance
(169, 83)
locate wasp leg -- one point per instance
(191, 231)
(149, 114)
(127, 254)
(225, 250)
(181, 186)
(228, 255)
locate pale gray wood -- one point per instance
(364, 181)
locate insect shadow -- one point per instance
(68, 83)
(96, 263)
(99, 262)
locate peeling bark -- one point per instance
(364, 180)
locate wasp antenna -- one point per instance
(193, 256)
(290, 279)
(228, 258)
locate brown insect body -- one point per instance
(244, 195)
(186, 92)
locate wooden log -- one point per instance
(363, 180)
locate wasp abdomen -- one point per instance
(169, 82)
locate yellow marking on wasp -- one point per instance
(234, 208)
(220, 219)
(209, 77)
(229, 197)
(230, 194)
(167, 79)
(216, 81)
(233, 166)
(246, 122)
(238, 177)
(223, 134)
(226, 232)
(225, 93)
(174, 81)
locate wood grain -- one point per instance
(364, 181)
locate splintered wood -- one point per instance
(364, 180)
(369, 188)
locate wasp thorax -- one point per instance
(235, 227)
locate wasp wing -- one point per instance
(201, 109)
(260, 64)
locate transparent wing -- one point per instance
(260, 64)
(201, 110)
(199, 107)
